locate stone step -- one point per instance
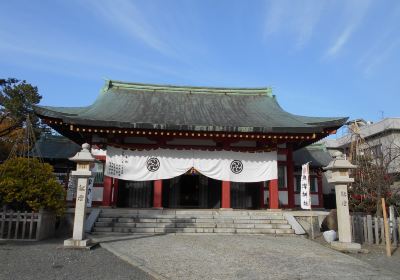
(189, 221)
(135, 216)
(279, 222)
(195, 212)
(191, 216)
(196, 231)
(265, 217)
(146, 220)
(103, 224)
(252, 221)
(193, 230)
(215, 214)
(113, 233)
(190, 225)
(241, 217)
(191, 211)
(106, 219)
(149, 221)
(103, 229)
(185, 230)
(118, 211)
(198, 225)
(195, 219)
(285, 231)
(128, 225)
(264, 226)
(126, 230)
(116, 215)
(214, 220)
(283, 226)
(192, 220)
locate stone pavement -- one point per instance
(238, 257)
(47, 260)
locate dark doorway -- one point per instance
(191, 191)
(189, 196)
(245, 195)
(135, 194)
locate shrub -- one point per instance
(394, 200)
(27, 184)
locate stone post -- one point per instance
(339, 168)
(83, 160)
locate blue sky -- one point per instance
(322, 58)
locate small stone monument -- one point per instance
(339, 168)
(83, 160)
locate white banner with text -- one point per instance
(161, 164)
(305, 197)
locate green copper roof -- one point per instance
(54, 147)
(316, 154)
(144, 106)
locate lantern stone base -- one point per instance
(78, 244)
(346, 246)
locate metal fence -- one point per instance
(367, 229)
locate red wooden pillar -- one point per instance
(290, 176)
(262, 195)
(226, 194)
(114, 195)
(157, 194)
(107, 189)
(273, 194)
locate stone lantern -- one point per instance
(339, 168)
(83, 161)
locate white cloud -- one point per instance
(127, 18)
(384, 44)
(276, 11)
(341, 40)
(72, 54)
(380, 57)
(355, 12)
(294, 17)
(309, 15)
(97, 60)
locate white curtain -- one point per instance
(165, 164)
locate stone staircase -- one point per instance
(148, 221)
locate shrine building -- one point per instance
(193, 147)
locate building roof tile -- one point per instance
(145, 106)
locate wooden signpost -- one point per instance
(387, 233)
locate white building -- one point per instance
(380, 140)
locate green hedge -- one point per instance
(27, 184)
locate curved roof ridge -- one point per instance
(145, 106)
(188, 89)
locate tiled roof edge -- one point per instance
(188, 89)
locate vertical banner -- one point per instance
(89, 197)
(305, 197)
(71, 190)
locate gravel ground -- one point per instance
(185, 257)
(48, 260)
(375, 255)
